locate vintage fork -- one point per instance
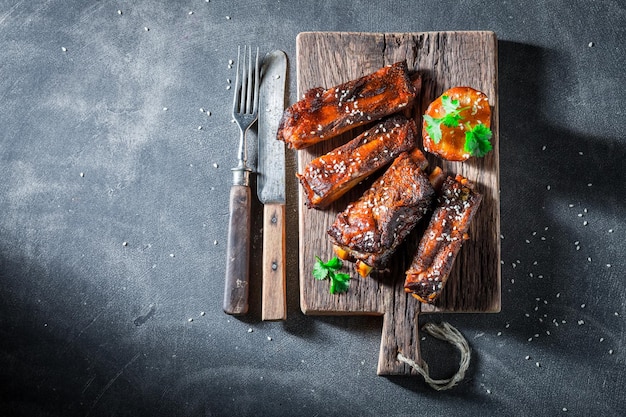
(245, 113)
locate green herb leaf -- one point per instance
(320, 271)
(339, 282)
(334, 264)
(451, 118)
(448, 104)
(433, 128)
(477, 140)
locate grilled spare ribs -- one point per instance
(369, 230)
(325, 113)
(328, 177)
(442, 240)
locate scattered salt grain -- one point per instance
(250, 330)
(190, 319)
(227, 17)
(82, 174)
(590, 44)
(124, 243)
(64, 49)
(202, 313)
(269, 338)
(215, 165)
(119, 12)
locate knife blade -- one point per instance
(271, 186)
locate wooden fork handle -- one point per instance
(274, 306)
(238, 251)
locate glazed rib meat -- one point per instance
(328, 177)
(442, 240)
(325, 113)
(369, 230)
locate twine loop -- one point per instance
(450, 334)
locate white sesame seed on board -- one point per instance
(119, 12)
(64, 49)
(215, 165)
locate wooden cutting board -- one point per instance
(444, 59)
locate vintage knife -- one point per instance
(271, 185)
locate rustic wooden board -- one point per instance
(444, 59)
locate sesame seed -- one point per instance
(64, 49)
(590, 44)
(190, 319)
(527, 357)
(119, 12)
(124, 243)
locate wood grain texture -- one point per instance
(274, 301)
(444, 60)
(238, 251)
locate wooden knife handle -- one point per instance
(274, 306)
(238, 252)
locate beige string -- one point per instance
(448, 333)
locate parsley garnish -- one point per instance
(477, 140)
(451, 118)
(339, 282)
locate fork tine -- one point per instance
(237, 81)
(257, 83)
(245, 80)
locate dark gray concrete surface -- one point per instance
(113, 208)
